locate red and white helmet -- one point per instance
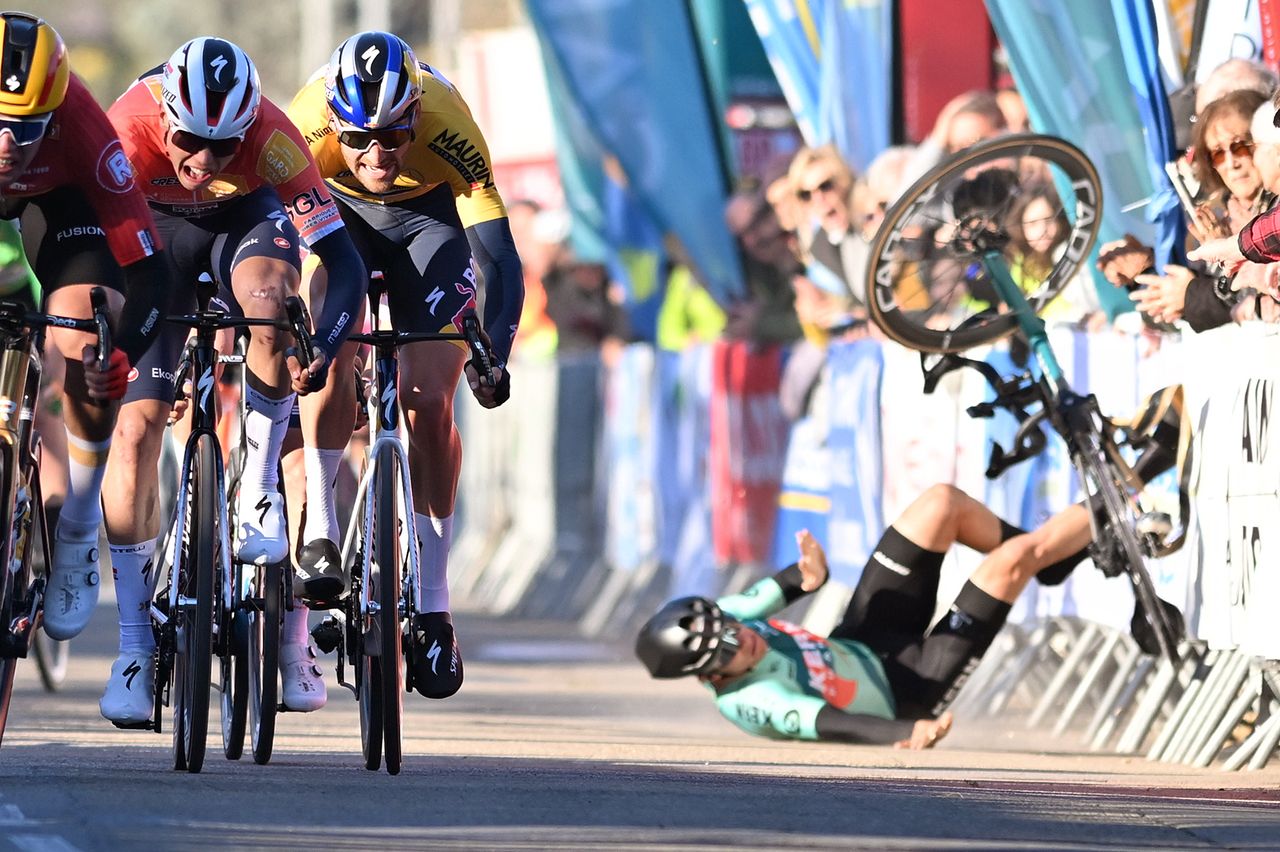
(211, 89)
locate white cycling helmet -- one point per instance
(211, 89)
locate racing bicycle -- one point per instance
(23, 525)
(950, 270)
(380, 550)
(211, 606)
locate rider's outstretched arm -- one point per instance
(348, 283)
(146, 287)
(495, 252)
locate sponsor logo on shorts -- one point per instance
(892, 564)
(133, 374)
(282, 243)
(115, 173)
(252, 241)
(80, 231)
(159, 373)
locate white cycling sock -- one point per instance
(265, 424)
(82, 508)
(294, 630)
(133, 567)
(435, 536)
(322, 515)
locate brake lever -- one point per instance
(481, 359)
(300, 325)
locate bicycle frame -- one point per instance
(20, 371)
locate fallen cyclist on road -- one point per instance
(882, 675)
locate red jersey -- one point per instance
(272, 154)
(80, 149)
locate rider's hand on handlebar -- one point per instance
(108, 384)
(313, 377)
(490, 395)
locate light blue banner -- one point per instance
(1089, 72)
(833, 59)
(632, 69)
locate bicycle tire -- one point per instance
(889, 246)
(53, 657)
(10, 586)
(264, 658)
(234, 681)
(1090, 465)
(368, 670)
(193, 666)
(386, 556)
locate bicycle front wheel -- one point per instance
(193, 666)
(387, 578)
(1034, 199)
(264, 660)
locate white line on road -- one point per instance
(12, 815)
(42, 843)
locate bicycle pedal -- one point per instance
(135, 726)
(327, 635)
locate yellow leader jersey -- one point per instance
(447, 148)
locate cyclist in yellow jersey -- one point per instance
(411, 174)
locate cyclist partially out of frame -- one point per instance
(84, 220)
(236, 194)
(410, 172)
(883, 675)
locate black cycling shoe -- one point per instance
(320, 570)
(435, 658)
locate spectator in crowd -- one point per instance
(1232, 76)
(1038, 230)
(766, 313)
(584, 307)
(538, 251)
(1014, 109)
(966, 120)
(821, 181)
(1233, 194)
(688, 315)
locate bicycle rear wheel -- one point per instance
(927, 286)
(1120, 534)
(386, 558)
(264, 660)
(194, 660)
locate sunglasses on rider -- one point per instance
(1239, 149)
(192, 144)
(362, 140)
(826, 186)
(26, 131)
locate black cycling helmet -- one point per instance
(688, 636)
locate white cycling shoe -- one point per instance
(304, 686)
(72, 590)
(261, 532)
(130, 695)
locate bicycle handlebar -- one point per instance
(481, 357)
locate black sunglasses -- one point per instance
(826, 186)
(26, 131)
(193, 144)
(362, 140)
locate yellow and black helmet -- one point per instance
(34, 68)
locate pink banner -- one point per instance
(748, 450)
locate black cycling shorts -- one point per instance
(63, 240)
(891, 610)
(253, 226)
(422, 251)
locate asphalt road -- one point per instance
(559, 743)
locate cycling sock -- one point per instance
(1008, 531)
(435, 535)
(960, 638)
(82, 508)
(294, 630)
(1052, 575)
(322, 513)
(133, 567)
(265, 424)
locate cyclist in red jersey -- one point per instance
(236, 195)
(66, 179)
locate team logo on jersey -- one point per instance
(281, 159)
(115, 172)
(463, 156)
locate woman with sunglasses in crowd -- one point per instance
(236, 194)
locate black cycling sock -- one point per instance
(958, 641)
(1055, 574)
(1008, 531)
